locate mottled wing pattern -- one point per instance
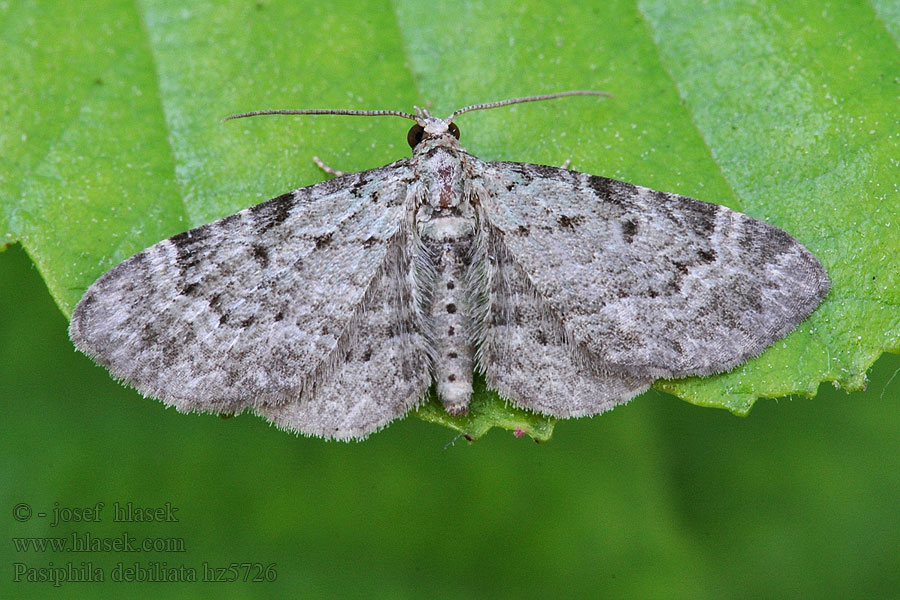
(527, 357)
(378, 375)
(649, 283)
(251, 310)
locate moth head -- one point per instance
(431, 128)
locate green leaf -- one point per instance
(488, 410)
(113, 140)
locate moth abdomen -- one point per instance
(449, 241)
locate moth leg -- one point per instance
(328, 169)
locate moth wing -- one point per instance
(249, 310)
(379, 374)
(527, 357)
(650, 283)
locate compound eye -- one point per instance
(415, 135)
(454, 130)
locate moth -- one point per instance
(332, 309)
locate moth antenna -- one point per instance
(526, 99)
(324, 111)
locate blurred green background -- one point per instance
(656, 499)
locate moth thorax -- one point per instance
(442, 178)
